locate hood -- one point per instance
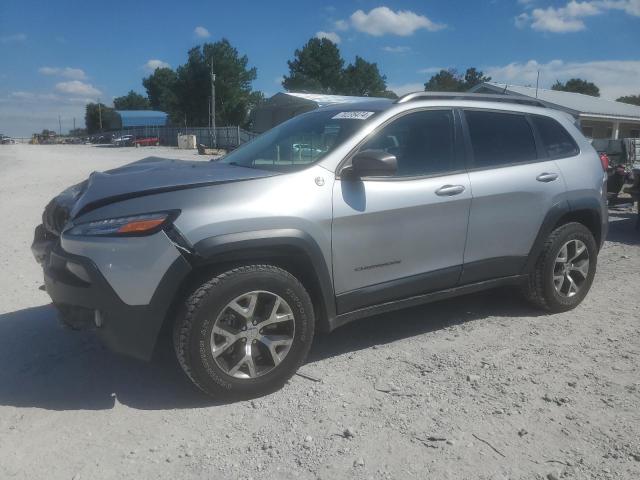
(155, 175)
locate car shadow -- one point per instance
(390, 327)
(45, 365)
(624, 227)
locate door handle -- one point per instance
(450, 190)
(547, 177)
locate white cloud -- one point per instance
(570, 18)
(398, 49)
(333, 36)
(66, 72)
(382, 20)
(201, 32)
(341, 25)
(432, 70)
(615, 78)
(153, 64)
(77, 88)
(14, 38)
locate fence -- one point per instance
(226, 137)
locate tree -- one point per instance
(451, 81)
(161, 89)
(316, 67)
(577, 85)
(131, 101)
(110, 119)
(234, 95)
(473, 77)
(632, 99)
(444, 81)
(363, 78)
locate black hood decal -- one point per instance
(157, 175)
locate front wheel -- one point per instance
(245, 332)
(564, 271)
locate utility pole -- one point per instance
(537, 82)
(213, 106)
(74, 123)
(59, 125)
(100, 114)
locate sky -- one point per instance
(57, 56)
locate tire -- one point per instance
(541, 289)
(223, 302)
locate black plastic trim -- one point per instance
(236, 246)
(490, 268)
(345, 318)
(128, 329)
(396, 289)
(555, 213)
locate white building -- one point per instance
(598, 118)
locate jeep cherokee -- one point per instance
(335, 215)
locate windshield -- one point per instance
(299, 142)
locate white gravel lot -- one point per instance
(480, 387)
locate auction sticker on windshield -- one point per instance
(353, 115)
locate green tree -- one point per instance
(577, 85)
(445, 81)
(161, 89)
(473, 77)
(632, 99)
(451, 81)
(316, 68)
(363, 78)
(131, 101)
(234, 95)
(110, 119)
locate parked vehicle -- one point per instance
(4, 140)
(101, 138)
(397, 204)
(123, 141)
(146, 141)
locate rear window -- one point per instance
(500, 138)
(554, 137)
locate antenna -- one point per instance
(537, 83)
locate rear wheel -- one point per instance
(245, 332)
(564, 270)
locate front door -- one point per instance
(395, 237)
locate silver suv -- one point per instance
(332, 216)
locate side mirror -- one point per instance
(373, 163)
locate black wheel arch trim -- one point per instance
(235, 246)
(554, 215)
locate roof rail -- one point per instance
(482, 97)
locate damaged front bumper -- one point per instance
(84, 298)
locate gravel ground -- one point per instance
(477, 387)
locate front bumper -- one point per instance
(84, 296)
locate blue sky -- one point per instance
(58, 55)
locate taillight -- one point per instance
(604, 159)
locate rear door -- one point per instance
(514, 184)
(398, 236)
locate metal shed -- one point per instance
(283, 106)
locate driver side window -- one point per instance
(423, 142)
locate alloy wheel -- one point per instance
(252, 334)
(571, 268)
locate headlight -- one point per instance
(145, 224)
